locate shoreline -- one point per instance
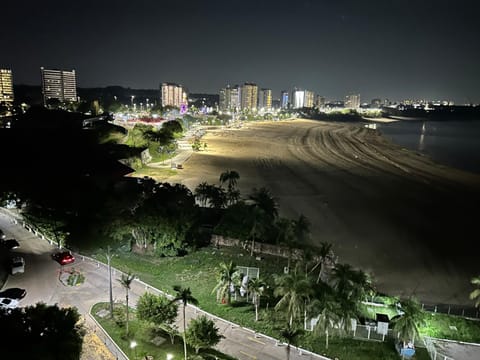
(384, 208)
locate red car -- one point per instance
(64, 257)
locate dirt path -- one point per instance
(388, 210)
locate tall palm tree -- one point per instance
(475, 294)
(256, 287)
(329, 317)
(263, 199)
(325, 255)
(295, 291)
(285, 236)
(185, 296)
(126, 281)
(265, 210)
(407, 325)
(201, 193)
(290, 335)
(231, 177)
(225, 280)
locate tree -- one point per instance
(265, 210)
(225, 279)
(290, 335)
(185, 296)
(325, 256)
(285, 236)
(126, 280)
(230, 177)
(201, 193)
(475, 294)
(45, 332)
(202, 333)
(159, 310)
(407, 324)
(295, 290)
(329, 317)
(256, 287)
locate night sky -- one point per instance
(392, 49)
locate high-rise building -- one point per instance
(284, 99)
(352, 101)
(6, 87)
(303, 98)
(309, 99)
(319, 101)
(230, 98)
(59, 84)
(174, 95)
(265, 99)
(249, 96)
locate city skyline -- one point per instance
(397, 50)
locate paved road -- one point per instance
(41, 279)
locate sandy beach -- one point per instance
(390, 211)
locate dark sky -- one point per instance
(393, 49)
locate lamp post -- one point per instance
(133, 345)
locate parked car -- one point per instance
(17, 265)
(13, 293)
(6, 303)
(10, 244)
(64, 257)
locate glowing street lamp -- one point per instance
(133, 345)
(169, 356)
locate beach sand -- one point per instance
(410, 222)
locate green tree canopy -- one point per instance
(202, 333)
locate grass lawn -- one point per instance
(142, 334)
(451, 327)
(155, 172)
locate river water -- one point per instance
(452, 143)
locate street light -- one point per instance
(133, 345)
(169, 356)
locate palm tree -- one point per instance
(201, 193)
(185, 296)
(285, 236)
(475, 294)
(126, 281)
(295, 290)
(225, 280)
(407, 324)
(290, 335)
(264, 200)
(231, 177)
(329, 317)
(325, 255)
(256, 287)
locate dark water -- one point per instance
(453, 143)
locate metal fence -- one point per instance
(458, 310)
(432, 351)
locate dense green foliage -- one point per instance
(49, 332)
(202, 333)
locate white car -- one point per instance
(17, 265)
(6, 303)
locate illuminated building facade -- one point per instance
(303, 98)
(284, 99)
(174, 95)
(320, 101)
(352, 101)
(230, 98)
(249, 96)
(6, 87)
(59, 84)
(265, 99)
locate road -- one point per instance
(41, 279)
